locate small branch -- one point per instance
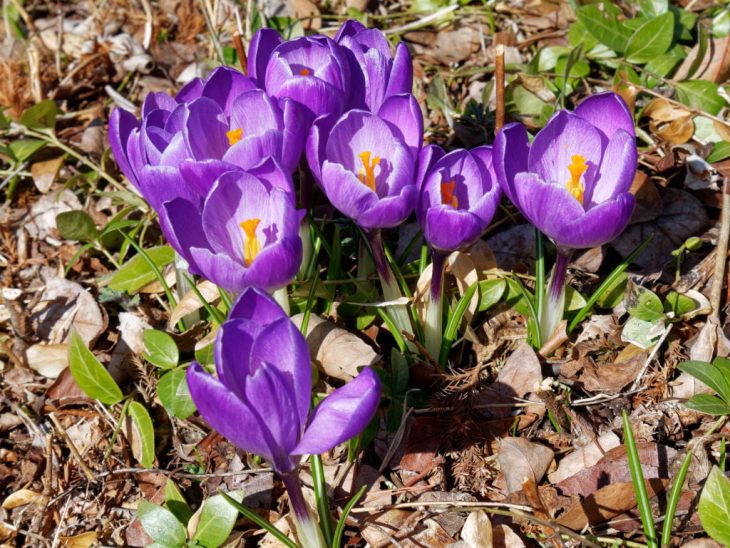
(721, 257)
(75, 452)
(499, 84)
(238, 44)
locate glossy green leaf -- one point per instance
(651, 39)
(490, 293)
(614, 293)
(713, 376)
(145, 430)
(161, 349)
(91, 376)
(76, 225)
(174, 394)
(642, 333)
(175, 502)
(679, 304)
(700, 94)
(216, 520)
(714, 506)
(161, 525)
(648, 306)
(720, 151)
(40, 116)
(136, 273)
(652, 8)
(23, 149)
(706, 403)
(663, 65)
(601, 21)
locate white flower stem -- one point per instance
(281, 296)
(433, 329)
(308, 531)
(183, 285)
(553, 305)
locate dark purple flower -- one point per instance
(376, 73)
(312, 71)
(182, 144)
(458, 198)
(573, 181)
(245, 234)
(260, 399)
(366, 163)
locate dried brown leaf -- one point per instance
(520, 459)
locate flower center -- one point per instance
(234, 135)
(367, 171)
(577, 168)
(251, 245)
(447, 194)
(305, 72)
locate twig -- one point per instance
(424, 21)
(499, 85)
(651, 357)
(238, 44)
(75, 452)
(721, 257)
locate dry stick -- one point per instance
(721, 257)
(499, 83)
(75, 452)
(238, 44)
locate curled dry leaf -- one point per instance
(191, 302)
(131, 343)
(337, 352)
(44, 173)
(714, 66)
(521, 374)
(82, 540)
(19, 498)
(669, 122)
(584, 457)
(477, 530)
(47, 359)
(604, 377)
(520, 459)
(42, 220)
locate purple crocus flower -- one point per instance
(458, 196)
(312, 71)
(376, 73)
(261, 397)
(245, 233)
(572, 182)
(182, 144)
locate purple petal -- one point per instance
(158, 184)
(256, 113)
(549, 207)
(205, 131)
(391, 211)
(176, 152)
(276, 265)
(401, 73)
(345, 191)
(255, 304)
(317, 143)
(182, 227)
(271, 172)
(599, 225)
(427, 157)
(341, 415)
(608, 112)
(510, 154)
(232, 351)
(404, 113)
(227, 414)
(565, 136)
(450, 229)
(224, 85)
(121, 125)
(190, 91)
(349, 28)
(617, 169)
(317, 96)
(219, 268)
(250, 151)
(296, 120)
(157, 101)
(263, 43)
(201, 175)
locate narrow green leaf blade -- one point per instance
(145, 430)
(709, 374)
(91, 376)
(706, 403)
(136, 273)
(714, 506)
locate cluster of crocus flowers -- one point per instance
(260, 399)
(572, 182)
(458, 197)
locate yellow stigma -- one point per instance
(305, 72)
(234, 136)
(367, 171)
(447, 194)
(577, 168)
(251, 245)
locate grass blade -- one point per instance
(674, 499)
(320, 493)
(251, 515)
(452, 326)
(337, 540)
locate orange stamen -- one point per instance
(366, 174)
(251, 245)
(234, 136)
(305, 72)
(577, 168)
(447, 194)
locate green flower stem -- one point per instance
(433, 330)
(308, 531)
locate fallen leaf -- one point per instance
(505, 537)
(584, 457)
(20, 497)
(307, 12)
(337, 352)
(603, 377)
(82, 540)
(714, 66)
(47, 359)
(45, 172)
(521, 374)
(477, 530)
(514, 248)
(520, 459)
(669, 122)
(191, 302)
(42, 219)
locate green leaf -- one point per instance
(217, 520)
(721, 24)
(642, 333)
(614, 293)
(136, 273)
(663, 65)
(205, 355)
(23, 149)
(89, 374)
(601, 21)
(161, 349)
(578, 34)
(714, 506)
(161, 525)
(40, 116)
(679, 304)
(720, 151)
(146, 431)
(174, 394)
(700, 94)
(713, 376)
(490, 293)
(652, 8)
(76, 225)
(648, 307)
(651, 39)
(574, 301)
(706, 403)
(176, 503)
